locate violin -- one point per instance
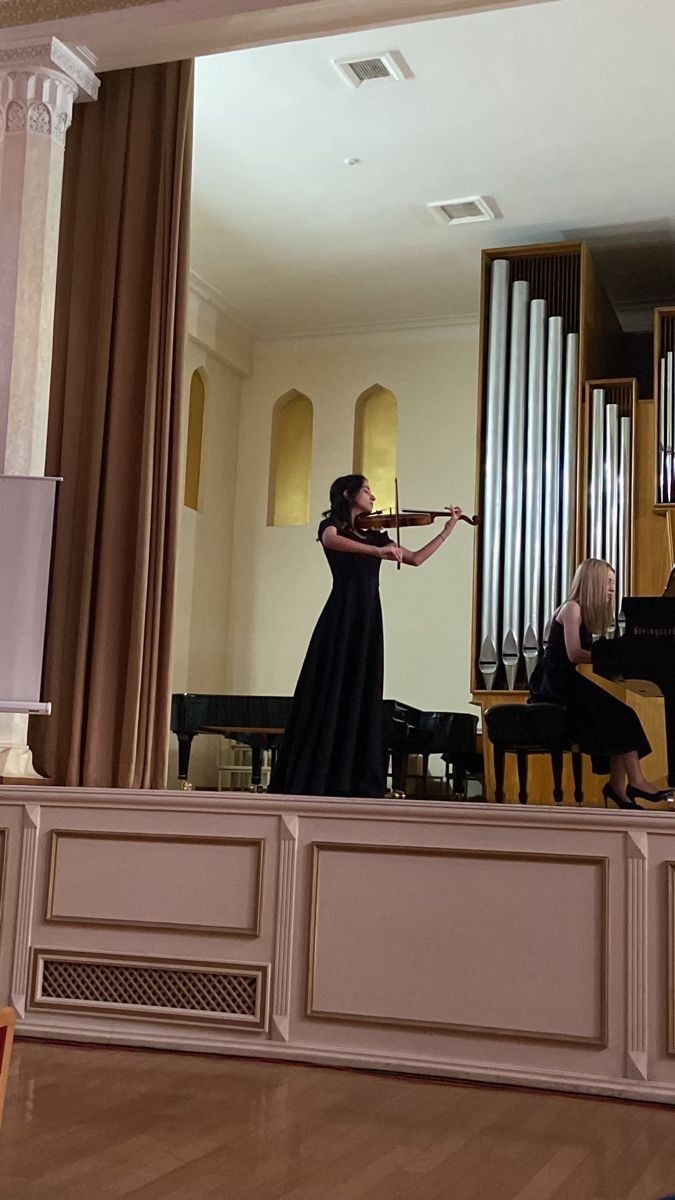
(408, 518)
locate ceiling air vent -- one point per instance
(373, 68)
(461, 212)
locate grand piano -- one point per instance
(645, 651)
(259, 722)
(409, 730)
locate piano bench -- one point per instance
(524, 729)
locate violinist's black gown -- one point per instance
(333, 744)
(599, 724)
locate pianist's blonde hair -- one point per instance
(589, 589)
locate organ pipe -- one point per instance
(551, 540)
(596, 473)
(666, 431)
(569, 468)
(494, 454)
(610, 473)
(534, 484)
(515, 453)
(663, 433)
(624, 512)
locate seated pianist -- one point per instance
(646, 651)
(599, 724)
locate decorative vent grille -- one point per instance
(460, 212)
(145, 989)
(370, 68)
(373, 68)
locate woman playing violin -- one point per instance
(333, 744)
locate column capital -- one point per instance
(40, 80)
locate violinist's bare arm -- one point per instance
(415, 558)
(332, 540)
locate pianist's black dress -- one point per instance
(598, 723)
(333, 740)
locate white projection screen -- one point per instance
(26, 522)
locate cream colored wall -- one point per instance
(206, 535)
(280, 579)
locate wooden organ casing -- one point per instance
(564, 277)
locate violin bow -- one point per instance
(398, 529)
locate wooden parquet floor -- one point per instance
(100, 1124)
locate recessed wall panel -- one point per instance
(484, 942)
(207, 884)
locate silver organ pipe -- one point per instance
(493, 470)
(669, 431)
(569, 468)
(624, 513)
(595, 508)
(663, 434)
(551, 538)
(515, 454)
(610, 456)
(611, 471)
(534, 484)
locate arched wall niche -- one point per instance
(290, 471)
(376, 441)
(195, 431)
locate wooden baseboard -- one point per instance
(23, 780)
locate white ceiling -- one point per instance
(562, 112)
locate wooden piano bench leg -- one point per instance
(521, 756)
(578, 771)
(498, 756)
(557, 767)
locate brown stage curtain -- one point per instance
(117, 377)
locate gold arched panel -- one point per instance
(193, 457)
(290, 460)
(375, 441)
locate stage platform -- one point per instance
(531, 946)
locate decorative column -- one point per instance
(39, 83)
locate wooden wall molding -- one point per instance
(540, 903)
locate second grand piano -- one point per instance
(259, 722)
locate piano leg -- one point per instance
(459, 777)
(184, 747)
(399, 763)
(256, 768)
(669, 706)
(578, 771)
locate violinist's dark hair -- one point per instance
(342, 492)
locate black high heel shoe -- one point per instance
(609, 794)
(654, 797)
